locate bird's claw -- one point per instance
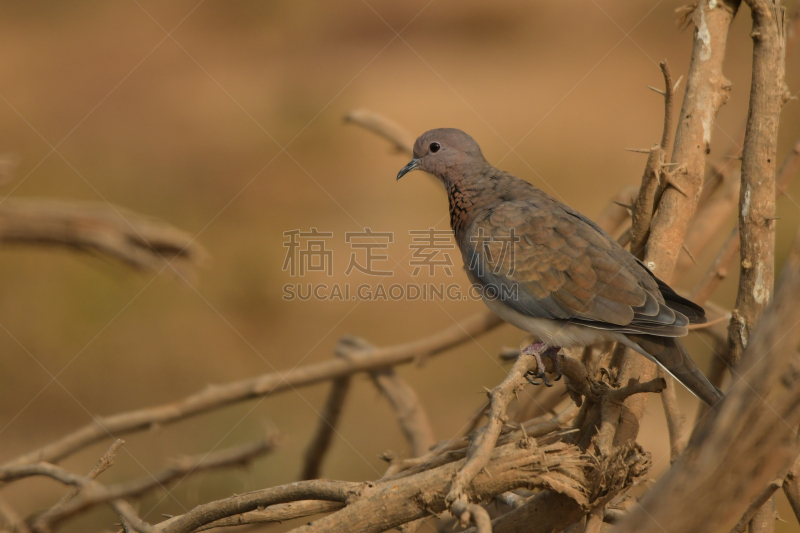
(537, 350)
(529, 378)
(552, 353)
(530, 375)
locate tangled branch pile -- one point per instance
(560, 462)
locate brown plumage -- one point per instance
(550, 270)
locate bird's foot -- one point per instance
(538, 350)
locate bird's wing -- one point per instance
(545, 260)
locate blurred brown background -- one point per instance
(190, 128)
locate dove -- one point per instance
(550, 271)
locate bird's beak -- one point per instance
(413, 164)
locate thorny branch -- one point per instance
(746, 441)
(490, 462)
(768, 93)
(241, 455)
(121, 507)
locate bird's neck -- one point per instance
(467, 194)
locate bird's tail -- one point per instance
(671, 355)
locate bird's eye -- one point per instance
(435, 147)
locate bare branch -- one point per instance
(764, 519)
(217, 396)
(481, 449)
(719, 268)
(378, 506)
(105, 462)
(277, 513)
(791, 487)
(234, 456)
(467, 512)
(652, 187)
(390, 130)
(121, 507)
(757, 505)
(675, 420)
(515, 465)
(140, 242)
(746, 441)
(315, 489)
(768, 93)
(328, 420)
(706, 91)
(404, 400)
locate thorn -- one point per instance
(167, 515)
(434, 514)
(659, 91)
(685, 249)
(488, 392)
(675, 87)
(524, 433)
(734, 157)
(672, 183)
(487, 472)
(637, 150)
(769, 219)
(629, 207)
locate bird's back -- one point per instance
(556, 263)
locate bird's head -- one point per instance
(444, 152)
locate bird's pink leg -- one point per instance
(537, 350)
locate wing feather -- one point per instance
(558, 264)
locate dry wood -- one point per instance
(481, 449)
(241, 455)
(764, 519)
(757, 507)
(217, 396)
(410, 412)
(140, 242)
(719, 268)
(105, 462)
(315, 489)
(706, 91)
(791, 487)
(746, 441)
(121, 507)
(381, 505)
(768, 93)
(390, 130)
(277, 513)
(678, 438)
(328, 420)
(532, 429)
(651, 190)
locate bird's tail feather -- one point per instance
(671, 355)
